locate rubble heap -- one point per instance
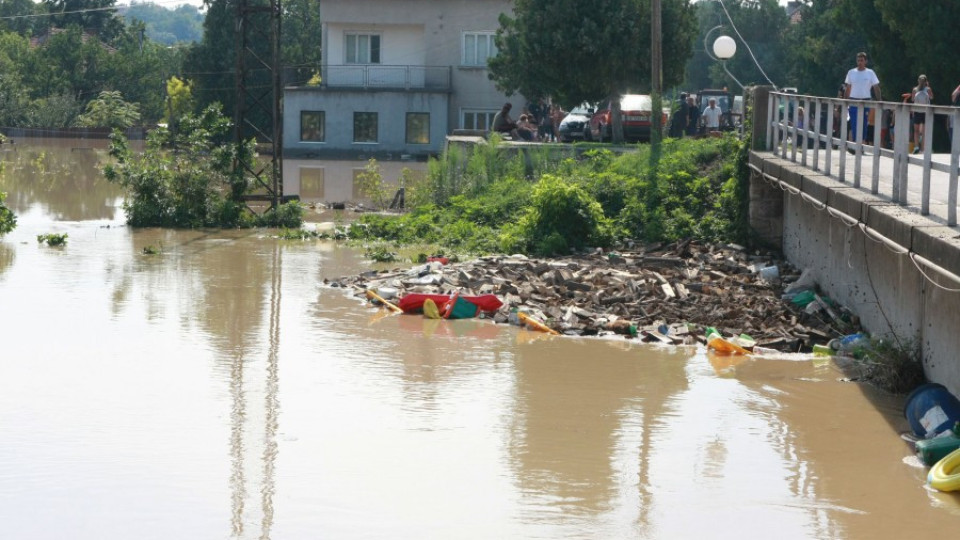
(666, 293)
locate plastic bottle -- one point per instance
(854, 345)
(822, 350)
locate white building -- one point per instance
(397, 77)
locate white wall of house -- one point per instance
(330, 181)
(427, 32)
(402, 43)
(338, 110)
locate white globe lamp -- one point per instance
(724, 47)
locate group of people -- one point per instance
(690, 121)
(862, 83)
(540, 122)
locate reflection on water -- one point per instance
(61, 178)
(218, 388)
(7, 256)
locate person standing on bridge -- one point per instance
(864, 85)
(922, 95)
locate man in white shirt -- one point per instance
(711, 116)
(862, 84)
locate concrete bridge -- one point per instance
(874, 223)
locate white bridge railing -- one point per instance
(818, 140)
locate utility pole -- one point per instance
(258, 114)
(656, 75)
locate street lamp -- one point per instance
(725, 47)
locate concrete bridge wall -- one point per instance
(877, 258)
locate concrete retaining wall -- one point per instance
(838, 233)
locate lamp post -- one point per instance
(724, 47)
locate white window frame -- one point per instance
(470, 54)
(489, 113)
(357, 37)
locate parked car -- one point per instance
(574, 125)
(635, 115)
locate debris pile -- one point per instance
(665, 293)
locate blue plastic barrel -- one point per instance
(931, 409)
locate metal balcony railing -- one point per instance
(386, 77)
(818, 140)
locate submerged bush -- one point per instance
(894, 367)
(187, 179)
(8, 220)
(53, 239)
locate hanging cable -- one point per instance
(747, 45)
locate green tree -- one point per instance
(14, 95)
(924, 44)
(167, 26)
(179, 100)
(372, 185)
(21, 24)
(762, 24)
(580, 51)
(92, 16)
(110, 110)
(213, 61)
(194, 186)
(300, 40)
(57, 111)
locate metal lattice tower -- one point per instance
(258, 112)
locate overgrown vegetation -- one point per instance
(8, 220)
(188, 180)
(892, 366)
(53, 239)
(380, 254)
(497, 200)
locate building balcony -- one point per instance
(380, 77)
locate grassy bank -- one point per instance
(493, 199)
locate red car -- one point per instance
(635, 115)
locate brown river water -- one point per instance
(218, 390)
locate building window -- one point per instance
(311, 183)
(477, 119)
(365, 127)
(363, 49)
(477, 47)
(418, 128)
(312, 126)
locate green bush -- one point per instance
(8, 220)
(53, 239)
(188, 179)
(564, 216)
(697, 188)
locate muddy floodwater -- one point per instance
(218, 390)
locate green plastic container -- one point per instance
(931, 451)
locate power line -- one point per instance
(86, 10)
(747, 45)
